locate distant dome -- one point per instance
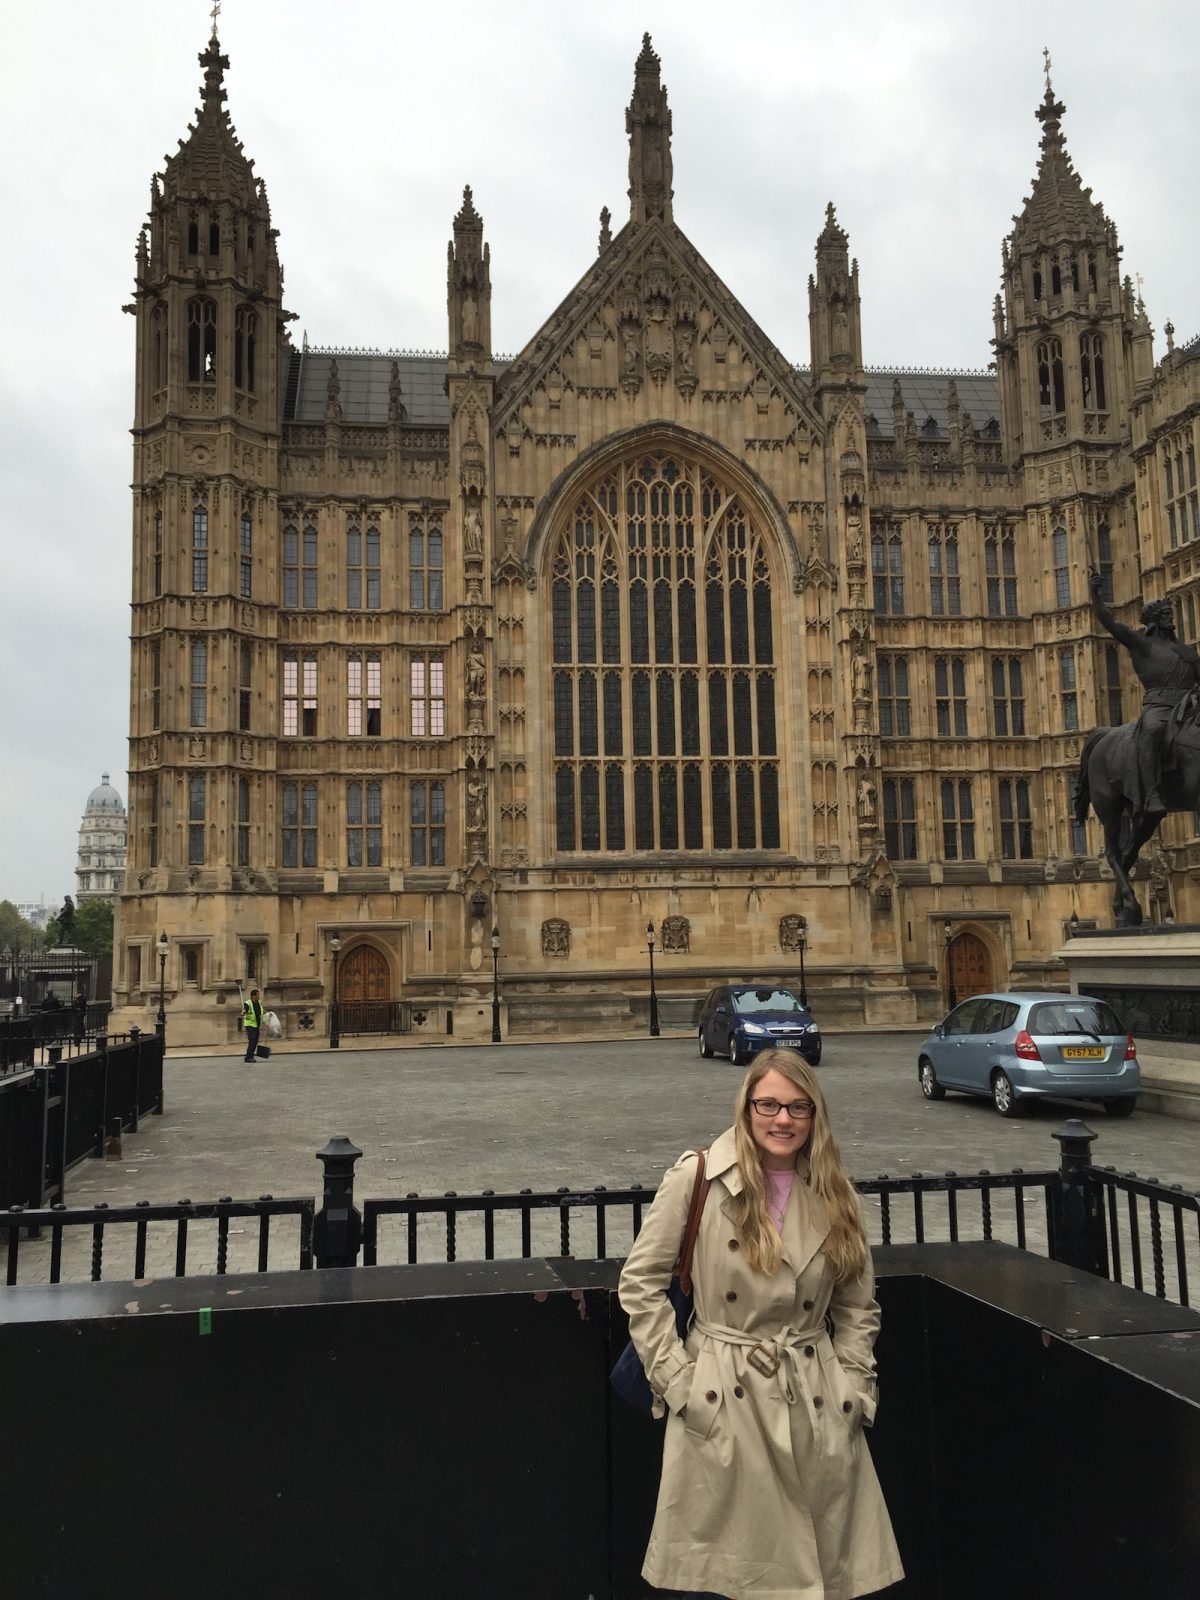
(104, 797)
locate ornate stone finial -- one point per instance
(468, 215)
(648, 124)
(395, 404)
(1046, 63)
(605, 230)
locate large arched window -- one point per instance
(663, 675)
(202, 340)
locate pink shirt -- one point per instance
(779, 1189)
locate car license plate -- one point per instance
(1083, 1052)
(789, 1044)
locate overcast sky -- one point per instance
(366, 119)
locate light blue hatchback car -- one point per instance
(1015, 1047)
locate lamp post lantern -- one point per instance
(495, 984)
(803, 984)
(951, 991)
(335, 944)
(160, 1022)
(654, 1028)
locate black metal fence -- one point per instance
(24, 1040)
(1119, 1226)
(374, 1016)
(55, 1115)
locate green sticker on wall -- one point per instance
(206, 1319)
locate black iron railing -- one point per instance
(55, 1115)
(56, 1222)
(374, 1016)
(1115, 1225)
(25, 1040)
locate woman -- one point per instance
(767, 1487)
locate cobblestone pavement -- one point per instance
(539, 1116)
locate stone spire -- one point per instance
(1059, 204)
(648, 124)
(211, 160)
(469, 286)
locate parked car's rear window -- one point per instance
(1074, 1016)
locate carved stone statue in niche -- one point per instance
(861, 677)
(476, 802)
(676, 935)
(854, 534)
(470, 320)
(790, 929)
(556, 937)
(867, 798)
(630, 352)
(476, 673)
(473, 533)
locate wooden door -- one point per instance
(970, 966)
(364, 992)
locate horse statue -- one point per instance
(1108, 784)
(1134, 775)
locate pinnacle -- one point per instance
(468, 216)
(648, 60)
(1058, 198)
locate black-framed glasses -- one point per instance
(798, 1110)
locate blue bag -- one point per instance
(628, 1376)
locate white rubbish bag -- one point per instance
(272, 1025)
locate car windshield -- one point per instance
(747, 1001)
(1074, 1016)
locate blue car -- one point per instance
(742, 1018)
(1015, 1048)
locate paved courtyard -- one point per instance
(541, 1116)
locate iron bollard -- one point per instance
(1078, 1234)
(337, 1226)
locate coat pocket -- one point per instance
(846, 1397)
(705, 1398)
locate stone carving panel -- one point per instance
(556, 937)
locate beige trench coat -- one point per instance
(768, 1489)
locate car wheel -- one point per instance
(930, 1087)
(1122, 1107)
(737, 1056)
(703, 1045)
(1004, 1096)
(813, 1057)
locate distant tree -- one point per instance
(15, 932)
(94, 927)
(50, 939)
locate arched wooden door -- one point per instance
(364, 992)
(970, 966)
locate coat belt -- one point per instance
(782, 1348)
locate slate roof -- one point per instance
(364, 377)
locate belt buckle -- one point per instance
(763, 1360)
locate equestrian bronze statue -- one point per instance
(1134, 775)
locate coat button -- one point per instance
(817, 1402)
(847, 1405)
(734, 1245)
(808, 1305)
(809, 1351)
(731, 1294)
(711, 1397)
(739, 1391)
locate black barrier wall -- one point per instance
(446, 1431)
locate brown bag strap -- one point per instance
(683, 1270)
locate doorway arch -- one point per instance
(970, 966)
(365, 991)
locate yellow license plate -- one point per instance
(1083, 1052)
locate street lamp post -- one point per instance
(160, 1022)
(951, 991)
(803, 985)
(495, 984)
(335, 944)
(654, 1028)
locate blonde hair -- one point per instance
(846, 1243)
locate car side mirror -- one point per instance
(720, 1011)
(940, 1031)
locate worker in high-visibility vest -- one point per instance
(252, 1016)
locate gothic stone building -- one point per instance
(646, 625)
